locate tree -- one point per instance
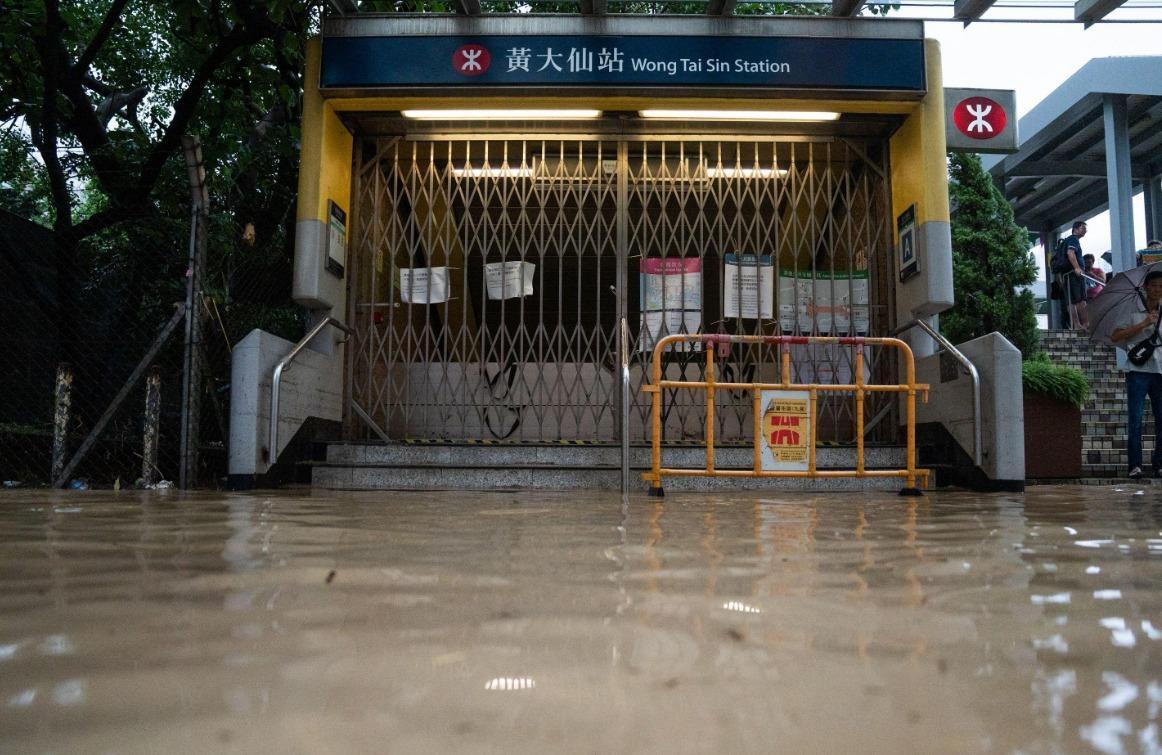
(94, 99)
(990, 260)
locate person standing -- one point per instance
(1073, 282)
(1135, 324)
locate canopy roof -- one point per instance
(1059, 174)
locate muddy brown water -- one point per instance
(542, 622)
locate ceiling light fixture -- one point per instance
(802, 116)
(503, 172)
(746, 172)
(501, 115)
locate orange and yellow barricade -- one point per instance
(787, 413)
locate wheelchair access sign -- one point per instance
(786, 428)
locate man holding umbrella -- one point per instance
(1133, 312)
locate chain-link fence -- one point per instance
(91, 394)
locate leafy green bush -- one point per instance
(1039, 375)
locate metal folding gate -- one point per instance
(489, 276)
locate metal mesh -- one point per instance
(576, 231)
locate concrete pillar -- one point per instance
(1154, 207)
(1119, 181)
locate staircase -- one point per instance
(511, 466)
(1103, 418)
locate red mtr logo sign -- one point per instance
(979, 117)
(471, 60)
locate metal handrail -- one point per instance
(977, 443)
(276, 378)
(625, 399)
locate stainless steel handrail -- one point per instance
(977, 444)
(276, 378)
(625, 399)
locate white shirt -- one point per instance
(1131, 316)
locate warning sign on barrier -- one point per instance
(786, 428)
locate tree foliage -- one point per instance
(990, 260)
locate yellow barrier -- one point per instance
(710, 340)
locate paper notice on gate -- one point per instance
(509, 280)
(424, 285)
(669, 322)
(670, 283)
(748, 287)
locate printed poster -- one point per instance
(424, 285)
(786, 427)
(748, 287)
(671, 300)
(824, 303)
(509, 280)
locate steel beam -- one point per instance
(1092, 11)
(1079, 168)
(970, 10)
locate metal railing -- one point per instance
(860, 388)
(974, 375)
(276, 379)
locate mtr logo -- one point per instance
(471, 60)
(979, 117)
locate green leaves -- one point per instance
(1066, 384)
(990, 261)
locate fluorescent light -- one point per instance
(500, 115)
(514, 172)
(739, 115)
(510, 684)
(745, 172)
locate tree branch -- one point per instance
(112, 18)
(45, 133)
(186, 106)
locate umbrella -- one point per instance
(1107, 309)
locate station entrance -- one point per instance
(489, 276)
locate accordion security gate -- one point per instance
(489, 276)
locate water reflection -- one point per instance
(955, 622)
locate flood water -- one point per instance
(534, 622)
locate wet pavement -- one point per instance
(534, 622)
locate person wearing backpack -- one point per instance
(1067, 261)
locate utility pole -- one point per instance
(191, 365)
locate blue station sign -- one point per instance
(617, 61)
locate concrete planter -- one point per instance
(1052, 437)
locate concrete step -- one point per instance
(376, 466)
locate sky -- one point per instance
(1034, 59)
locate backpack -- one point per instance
(1059, 262)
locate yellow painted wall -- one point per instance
(919, 153)
(325, 159)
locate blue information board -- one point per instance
(619, 61)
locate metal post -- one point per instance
(1153, 207)
(625, 399)
(61, 415)
(149, 433)
(1118, 181)
(191, 367)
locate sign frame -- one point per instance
(1003, 142)
(907, 251)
